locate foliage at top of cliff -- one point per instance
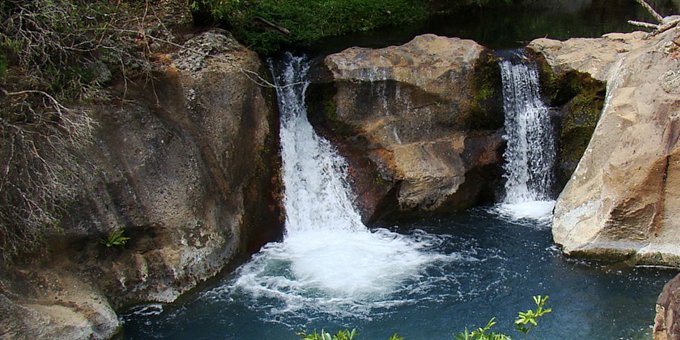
(268, 25)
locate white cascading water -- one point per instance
(328, 260)
(530, 151)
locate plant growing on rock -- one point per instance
(115, 238)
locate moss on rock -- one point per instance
(487, 105)
(580, 99)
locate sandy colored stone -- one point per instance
(411, 109)
(623, 200)
(187, 168)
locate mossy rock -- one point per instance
(580, 99)
(487, 106)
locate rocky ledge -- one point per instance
(622, 201)
(419, 123)
(187, 167)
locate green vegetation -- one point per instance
(487, 106)
(344, 334)
(341, 335)
(268, 25)
(524, 323)
(116, 238)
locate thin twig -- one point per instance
(643, 24)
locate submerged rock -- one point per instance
(419, 123)
(622, 200)
(187, 167)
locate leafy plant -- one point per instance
(116, 238)
(344, 334)
(526, 321)
(483, 333)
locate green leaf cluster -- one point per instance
(524, 323)
(344, 334)
(116, 238)
(482, 333)
(308, 21)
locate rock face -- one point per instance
(622, 200)
(418, 122)
(187, 168)
(666, 323)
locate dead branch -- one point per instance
(651, 10)
(665, 27)
(643, 24)
(266, 22)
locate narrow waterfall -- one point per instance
(328, 261)
(530, 151)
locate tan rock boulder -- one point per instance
(666, 322)
(425, 115)
(623, 200)
(187, 167)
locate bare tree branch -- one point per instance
(643, 24)
(651, 10)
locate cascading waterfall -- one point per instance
(530, 151)
(328, 261)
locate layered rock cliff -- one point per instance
(621, 201)
(419, 123)
(187, 167)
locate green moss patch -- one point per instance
(581, 99)
(487, 104)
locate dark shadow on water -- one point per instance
(504, 26)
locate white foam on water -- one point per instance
(532, 210)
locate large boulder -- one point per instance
(666, 322)
(187, 167)
(419, 123)
(622, 200)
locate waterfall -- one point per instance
(530, 151)
(317, 195)
(328, 261)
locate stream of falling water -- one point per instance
(530, 152)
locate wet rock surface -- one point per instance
(419, 123)
(621, 201)
(188, 168)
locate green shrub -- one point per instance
(307, 21)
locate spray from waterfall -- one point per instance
(530, 151)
